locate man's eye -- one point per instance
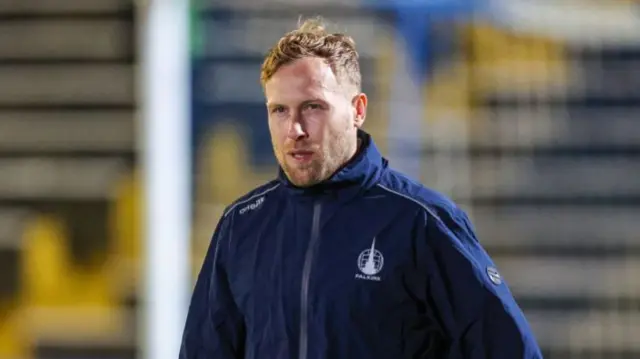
(277, 109)
(313, 106)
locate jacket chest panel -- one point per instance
(359, 266)
(366, 267)
(267, 266)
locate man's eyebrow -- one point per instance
(305, 102)
(314, 99)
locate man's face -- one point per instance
(313, 120)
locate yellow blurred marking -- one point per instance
(504, 61)
(76, 298)
(14, 342)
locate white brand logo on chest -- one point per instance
(370, 263)
(252, 206)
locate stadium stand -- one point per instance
(66, 141)
(556, 209)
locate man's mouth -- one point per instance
(301, 155)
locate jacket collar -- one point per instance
(362, 172)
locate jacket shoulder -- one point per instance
(251, 199)
(409, 189)
(435, 204)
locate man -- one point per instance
(341, 257)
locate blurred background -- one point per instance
(525, 112)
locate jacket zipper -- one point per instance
(306, 272)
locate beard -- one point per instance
(325, 161)
(306, 175)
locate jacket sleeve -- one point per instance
(214, 327)
(473, 304)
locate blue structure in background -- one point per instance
(208, 109)
(417, 22)
(426, 35)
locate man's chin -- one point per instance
(304, 179)
(303, 182)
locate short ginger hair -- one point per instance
(311, 39)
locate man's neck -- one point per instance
(353, 154)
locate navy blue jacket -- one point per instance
(369, 264)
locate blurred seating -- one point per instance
(14, 342)
(58, 132)
(45, 265)
(38, 7)
(58, 291)
(504, 62)
(125, 219)
(553, 163)
(12, 226)
(227, 153)
(66, 142)
(50, 39)
(13, 339)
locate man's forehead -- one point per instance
(301, 87)
(304, 79)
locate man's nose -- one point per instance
(296, 130)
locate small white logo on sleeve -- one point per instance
(370, 263)
(494, 275)
(252, 206)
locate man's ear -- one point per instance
(360, 108)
